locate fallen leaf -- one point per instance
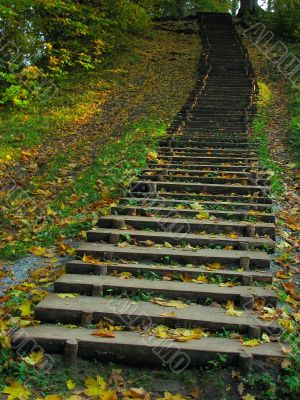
(70, 384)
(168, 315)
(228, 284)
(89, 259)
(281, 275)
(104, 333)
(135, 393)
(34, 358)
(95, 387)
(169, 303)
(251, 343)
(17, 391)
(125, 275)
(286, 363)
(38, 251)
(248, 397)
(67, 295)
(202, 215)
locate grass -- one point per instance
(261, 138)
(117, 164)
(294, 101)
(70, 157)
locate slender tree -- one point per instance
(248, 7)
(234, 7)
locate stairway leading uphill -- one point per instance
(197, 226)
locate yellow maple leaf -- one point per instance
(5, 341)
(202, 215)
(70, 384)
(252, 342)
(287, 324)
(17, 391)
(202, 279)
(109, 395)
(38, 251)
(233, 235)
(125, 275)
(169, 303)
(281, 275)
(152, 156)
(3, 325)
(228, 284)
(89, 259)
(25, 309)
(68, 295)
(214, 265)
(233, 313)
(231, 310)
(170, 396)
(168, 315)
(168, 245)
(34, 358)
(197, 206)
(95, 386)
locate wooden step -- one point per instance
(209, 205)
(176, 239)
(133, 348)
(122, 312)
(103, 268)
(189, 213)
(101, 285)
(199, 197)
(172, 225)
(147, 186)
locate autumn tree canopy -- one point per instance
(52, 37)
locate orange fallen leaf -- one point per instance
(104, 333)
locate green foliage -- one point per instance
(285, 18)
(294, 133)
(259, 136)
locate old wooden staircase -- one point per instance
(201, 208)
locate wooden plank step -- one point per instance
(53, 309)
(104, 234)
(255, 199)
(100, 285)
(155, 177)
(207, 204)
(172, 225)
(204, 144)
(133, 348)
(146, 186)
(189, 213)
(208, 159)
(103, 268)
(212, 150)
(204, 171)
(257, 259)
(212, 167)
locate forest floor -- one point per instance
(74, 157)
(63, 162)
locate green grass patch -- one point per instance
(260, 137)
(115, 167)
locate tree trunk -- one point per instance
(180, 8)
(248, 7)
(270, 5)
(234, 7)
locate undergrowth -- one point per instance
(261, 138)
